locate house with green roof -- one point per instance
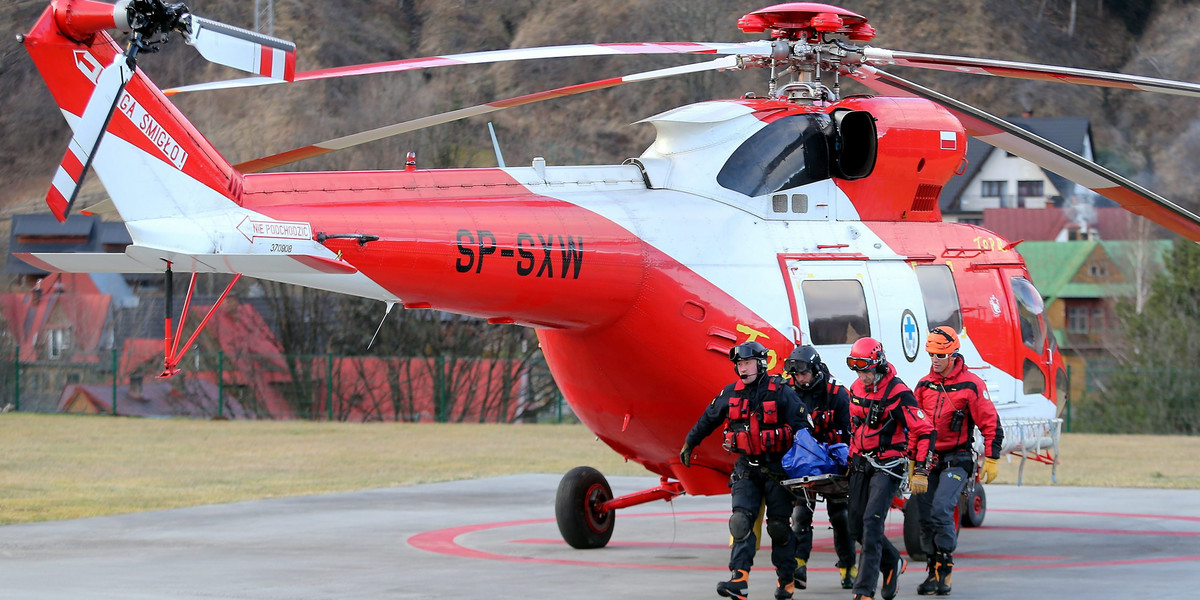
(1080, 283)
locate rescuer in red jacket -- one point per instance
(887, 427)
(956, 401)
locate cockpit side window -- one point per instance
(1029, 306)
(787, 153)
(940, 296)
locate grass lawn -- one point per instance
(62, 466)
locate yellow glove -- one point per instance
(990, 470)
(918, 483)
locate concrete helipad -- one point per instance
(496, 538)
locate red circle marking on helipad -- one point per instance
(445, 541)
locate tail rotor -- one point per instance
(151, 22)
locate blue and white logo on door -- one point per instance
(910, 335)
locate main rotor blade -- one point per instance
(1046, 154)
(86, 137)
(494, 56)
(1019, 70)
(290, 156)
(272, 58)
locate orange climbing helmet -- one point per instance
(942, 340)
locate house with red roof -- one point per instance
(1070, 224)
(180, 396)
(62, 329)
(236, 352)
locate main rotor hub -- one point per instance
(807, 21)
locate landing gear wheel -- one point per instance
(912, 531)
(581, 490)
(973, 506)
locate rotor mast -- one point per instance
(808, 41)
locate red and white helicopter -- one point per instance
(792, 216)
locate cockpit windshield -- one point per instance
(787, 153)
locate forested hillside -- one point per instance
(1152, 138)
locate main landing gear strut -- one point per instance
(586, 510)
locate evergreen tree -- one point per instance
(1157, 385)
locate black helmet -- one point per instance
(804, 359)
(750, 350)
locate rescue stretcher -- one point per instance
(814, 487)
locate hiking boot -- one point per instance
(738, 586)
(801, 578)
(848, 575)
(891, 578)
(944, 567)
(930, 585)
(784, 590)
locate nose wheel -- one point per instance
(577, 508)
(973, 506)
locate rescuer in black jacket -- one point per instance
(828, 406)
(760, 416)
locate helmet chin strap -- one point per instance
(817, 377)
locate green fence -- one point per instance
(130, 382)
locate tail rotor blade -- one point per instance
(268, 57)
(87, 135)
(1046, 154)
(320, 148)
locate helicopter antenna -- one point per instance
(496, 146)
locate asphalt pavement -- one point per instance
(496, 538)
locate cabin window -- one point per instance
(837, 311)
(779, 203)
(1029, 307)
(940, 297)
(790, 152)
(1035, 380)
(800, 203)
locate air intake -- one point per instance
(926, 199)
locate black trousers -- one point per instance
(839, 519)
(871, 493)
(749, 486)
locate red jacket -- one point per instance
(960, 390)
(903, 428)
